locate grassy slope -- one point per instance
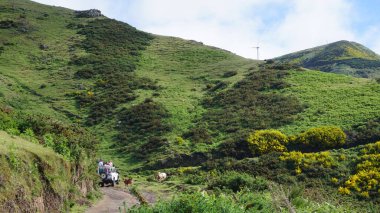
(32, 172)
(183, 68)
(27, 67)
(333, 99)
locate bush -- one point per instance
(198, 134)
(218, 86)
(142, 121)
(266, 141)
(366, 180)
(322, 138)
(309, 162)
(364, 133)
(197, 203)
(251, 103)
(236, 181)
(237, 148)
(6, 24)
(229, 74)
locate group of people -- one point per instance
(104, 166)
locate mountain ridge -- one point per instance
(99, 88)
(342, 57)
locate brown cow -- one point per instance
(128, 181)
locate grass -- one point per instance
(21, 147)
(30, 170)
(340, 57)
(166, 61)
(35, 80)
(183, 69)
(332, 100)
(27, 67)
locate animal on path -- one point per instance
(128, 181)
(161, 176)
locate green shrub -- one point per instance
(142, 121)
(199, 134)
(229, 74)
(368, 132)
(266, 141)
(236, 148)
(236, 181)
(194, 203)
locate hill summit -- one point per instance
(342, 57)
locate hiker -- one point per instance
(107, 168)
(100, 166)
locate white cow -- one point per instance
(161, 176)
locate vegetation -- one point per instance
(331, 100)
(249, 133)
(366, 179)
(303, 161)
(341, 57)
(111, 60)
(253, 104)
(266, 141)
(31, 172)
(320, 138)
(364, 133)
(71, 141)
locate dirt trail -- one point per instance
(112, 199)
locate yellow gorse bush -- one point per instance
(322, 137)
(366, 180)
(266, 141)
(302, 161)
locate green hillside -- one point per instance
(33, 177)
(331, 99)
(93, 87)
(342, 57)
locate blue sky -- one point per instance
(277, 26)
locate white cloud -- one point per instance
(308, 24)
(280, 26)
(239, 25)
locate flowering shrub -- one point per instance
(266, 141)
(366, 180)
(302, 161)
(322, 137)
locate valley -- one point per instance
(299, 133)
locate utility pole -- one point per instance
(257, 48)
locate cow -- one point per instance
(128, 181)
(161, 176)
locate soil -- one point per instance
(113, 198)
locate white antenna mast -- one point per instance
(257, 48)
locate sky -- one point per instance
(278, 27)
